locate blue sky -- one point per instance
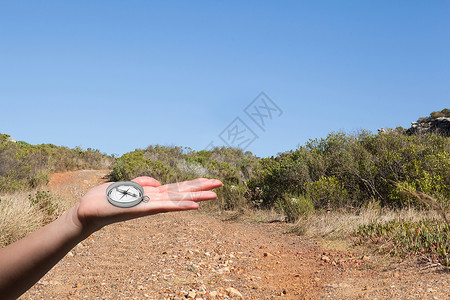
(121, 75)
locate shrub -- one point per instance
(351, 169)
(294, 207)
(43, 201)
(327, 189)
(443, 113)
(28, 166)
(170, 164)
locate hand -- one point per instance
(93, 211)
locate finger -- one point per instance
(199, 184)
(147, 181)
(156, 207)
(186, 196)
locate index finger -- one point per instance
(147, 181)
(196, 185)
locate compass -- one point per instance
(125, 194)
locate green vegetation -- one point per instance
(439, 114)
(25, 166)
(430, 238)
(359, 177)
(172, 164)
(351, 170)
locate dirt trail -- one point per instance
(198, 256)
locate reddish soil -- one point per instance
(199, 256)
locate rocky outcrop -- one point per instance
(440, 125)
(6, 138)
(11, 139)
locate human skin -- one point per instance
(24, 262)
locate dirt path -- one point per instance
(193, 255)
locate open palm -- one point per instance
(94, 211)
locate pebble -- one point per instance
(325, 258)
(232, 292)
(191, 294)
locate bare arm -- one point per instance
(24, 262)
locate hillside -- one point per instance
(193, 255)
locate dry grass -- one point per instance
(19, 217)
(341, 225)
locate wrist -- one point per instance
(76, 224)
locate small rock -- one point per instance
(430, 290)
(213, 294)
(232, 292)
(267, 254)
(223, 270)
(191, 294)
(365, 258)
(325, 258)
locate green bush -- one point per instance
(327, 189)
(43, 200)
(24, 166)
(294, 207)
(171, 164)
(351, 169)
(443, 113)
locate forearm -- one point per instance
(24, 262)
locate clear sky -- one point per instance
(121, 75)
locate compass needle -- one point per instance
(125, 193)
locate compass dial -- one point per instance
(125, 193)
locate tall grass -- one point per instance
(343, 224)
(24, 212)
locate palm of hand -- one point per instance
(94, 211)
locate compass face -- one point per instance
(125, 193)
